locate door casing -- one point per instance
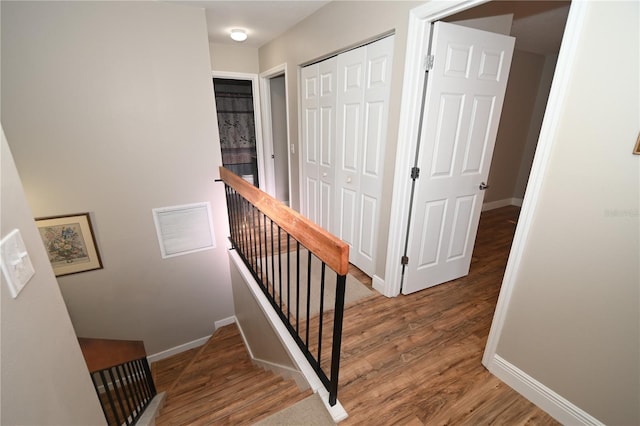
(267, 126)
(420, 20)
(260, 149)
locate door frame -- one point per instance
(418, 39)
(267, 121)
(257, 116)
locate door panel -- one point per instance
(463, 100)
(364, 77)
(318, 144)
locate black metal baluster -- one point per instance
(308, 296)
(236, 218)
(280, 266)
(273, 260)
(260, 245)
(337, 338)
(149, 377)
(321, 312)
(298, 287)
(135, 388)
(118, 396)
(145, 383)
(245, 240)
(252, 230)
(123, 387)
(288, 277)
(97, 388)
(266, 253)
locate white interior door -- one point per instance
(364, 78)
(318, 140)
(463, 101)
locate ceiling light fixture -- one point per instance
(238, 35)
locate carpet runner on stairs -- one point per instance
(217, 383)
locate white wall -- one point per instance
(573, 318)
(109, 109)
(44, 379)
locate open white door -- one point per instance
(463, 101)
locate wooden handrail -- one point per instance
(105, 353)
(327, 247)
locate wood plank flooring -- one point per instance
(218, 384)
(416, 359)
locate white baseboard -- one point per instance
(501, 203)
(189, 345)
(378, 284)
(224, 321)
(556, 405)
(178, 349)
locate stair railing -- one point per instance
(121, 376)
(292, 259)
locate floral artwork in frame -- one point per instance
(69, 243)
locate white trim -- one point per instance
(265, 91)
(418, 38)
(492, 205)
(257, 116)
(557, 406)
(378, 284)
(152, 411)
(190, 345)
(548, 131)
(225, 321)
(178, 349)
(337, 412)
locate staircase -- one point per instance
(217, 383)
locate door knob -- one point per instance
(483, 186)
(348, 180)
(324, 175)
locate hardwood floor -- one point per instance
(416, 359)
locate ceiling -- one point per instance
(537, 25)
(263, 20)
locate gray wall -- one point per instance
(44, 379)
(517, 111)
(233, 58)
(573, 321)
(109, 108)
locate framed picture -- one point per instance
(70, 243)
(636, 149)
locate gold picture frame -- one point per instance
(70, 243)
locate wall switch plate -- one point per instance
(16, 264)
(293, 149)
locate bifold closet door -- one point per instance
(364, 78)
(318, 104)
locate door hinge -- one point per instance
(415, 173)
(428, 62)
(404, 260)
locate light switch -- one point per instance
(16, 264)
(293, 149)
